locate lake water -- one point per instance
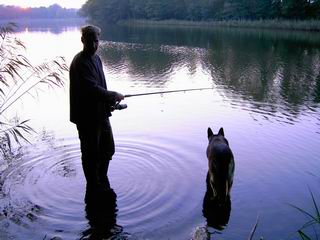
(265, 94)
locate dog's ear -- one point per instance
(221, 132)
(210, 133)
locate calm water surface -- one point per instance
(266, 94)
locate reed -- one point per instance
(312, 224)
(313, 221)
(20, 78)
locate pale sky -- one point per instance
(44, 3)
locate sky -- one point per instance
(44, 3)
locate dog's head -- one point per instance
(217, 138)
(220, 164)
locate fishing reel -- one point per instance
(118, 106)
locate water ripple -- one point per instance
(45, 190)
(147, 178)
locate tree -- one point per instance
(313, 10)
(263, 9)
(19, 78)
(294, 9)
(106, 11)
(275, 11)
(137, 9)
(93, 9)
(178, 9)
(229, 10)
(53, 11)
(217, 8)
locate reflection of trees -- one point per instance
(53, 12)
(300, 73)
(317, 90)
(153, 63)
(158, 35)
(151, 53)
(55, 26)
(264, 66)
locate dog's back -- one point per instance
(221, 165)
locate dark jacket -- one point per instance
(90, 101)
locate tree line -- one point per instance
(199, 10)
(53, 11)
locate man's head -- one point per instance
(90, 38)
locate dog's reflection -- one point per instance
(216, 212)
(101, 212)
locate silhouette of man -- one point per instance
(90, 108)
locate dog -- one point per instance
(221, 166)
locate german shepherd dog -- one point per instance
(221, 166)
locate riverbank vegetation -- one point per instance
(301, 25)
(20, 78)
(267, 13)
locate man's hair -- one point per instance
(90, 30)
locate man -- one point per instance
(90, 108)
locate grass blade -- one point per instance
(315, 206)
(254, 229)
(303, 211)
(303, 235)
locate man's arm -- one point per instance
(90, 84)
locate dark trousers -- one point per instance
(97, 149)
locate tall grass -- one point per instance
(20, 78)
(313, 222)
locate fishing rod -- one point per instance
(119, 106)
(162, 92)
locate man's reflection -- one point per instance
(101, 210)
(216, 212)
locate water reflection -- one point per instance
(101, 212)
(155, 160)
(8, 153)
(276, 71)
(43, 194)
(217, 213)
(152, 63)
(33, 187)
(200, 37)
(278, 68)
(55, 26)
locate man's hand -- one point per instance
(119, 97)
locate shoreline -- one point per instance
(294, 25)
